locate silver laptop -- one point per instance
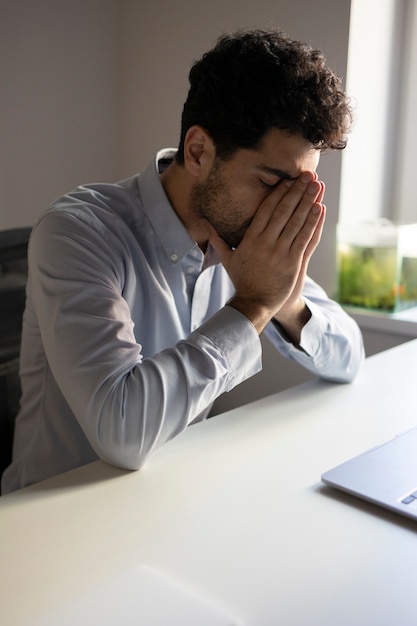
(385, 475)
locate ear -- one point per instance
(199, 151)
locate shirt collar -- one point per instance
(173, 236)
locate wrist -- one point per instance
(297, 311)
(257, 314)
(292, 319)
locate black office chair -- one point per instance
(13, 276)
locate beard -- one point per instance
(211, 200)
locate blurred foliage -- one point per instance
(375, 278)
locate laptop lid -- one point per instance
(385, 475)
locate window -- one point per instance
(378, 164)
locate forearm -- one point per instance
(127, 400)
(128, 408)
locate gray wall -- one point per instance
(59, 105)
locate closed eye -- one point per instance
(270, 186)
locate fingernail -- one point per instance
(306, 177)
(313, 188)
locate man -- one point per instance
(146, 298)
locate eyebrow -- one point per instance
(278, 173)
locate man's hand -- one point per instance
(269, 266)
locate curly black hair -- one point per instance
(252, 81)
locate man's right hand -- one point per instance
(272, 258)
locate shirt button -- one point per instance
(194, 253)
(174, 256)
(190, 270)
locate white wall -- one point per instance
(92, 88)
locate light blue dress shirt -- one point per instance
(127, 337)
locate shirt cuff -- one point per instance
(313, 330)
(237, 341)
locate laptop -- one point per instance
(385, 475)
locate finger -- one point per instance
(321, 193)
(305, 212)
(315, 239)
(278, 207)
(267, 207)
(296, 203)
(299, 236)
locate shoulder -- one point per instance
(102, 207)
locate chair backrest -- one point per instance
(13, 277)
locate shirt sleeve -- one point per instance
(331, 341)
(126, 405)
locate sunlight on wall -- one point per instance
(368, 84)
(404, 190)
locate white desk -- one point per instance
(234, 510)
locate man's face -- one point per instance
(234, 189)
